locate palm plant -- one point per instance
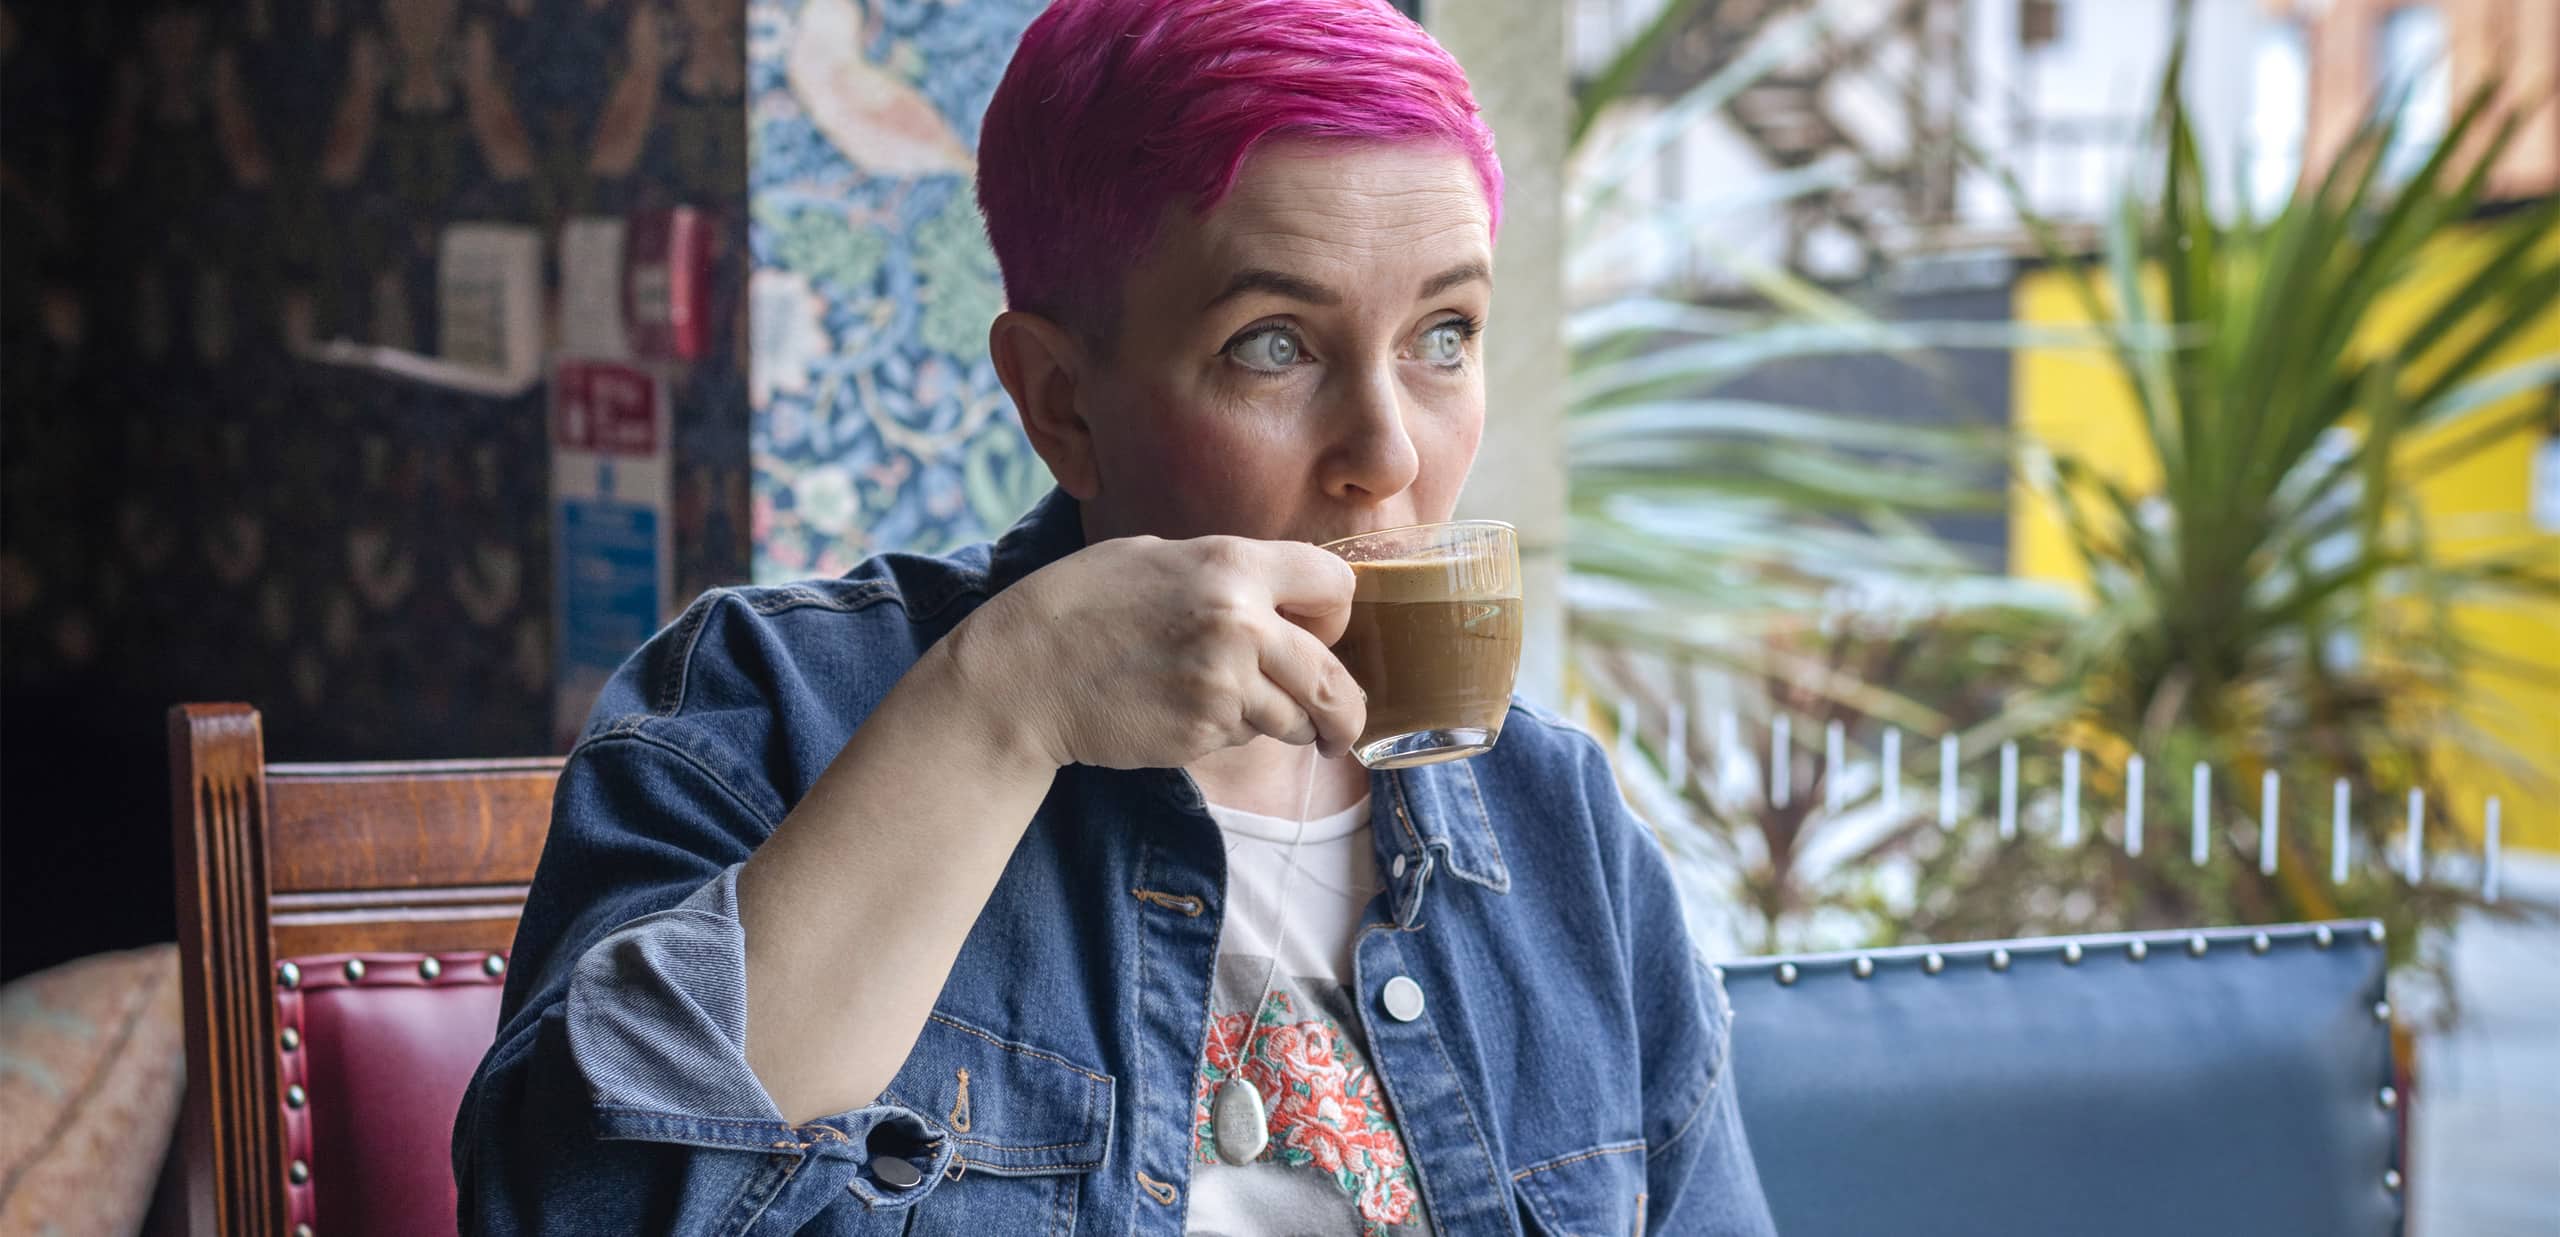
(2274, 605)
(2277, 603)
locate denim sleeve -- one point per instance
(617, 1097)
(1699, 1174)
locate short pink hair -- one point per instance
(1114, 111)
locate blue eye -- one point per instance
(1268, 351)
(1445, 345)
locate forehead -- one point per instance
(1345, 209)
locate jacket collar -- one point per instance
(1051, 530)
(1433, 817)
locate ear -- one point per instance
(1040, 363)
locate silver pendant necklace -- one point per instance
(1238, 1116)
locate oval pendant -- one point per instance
(1241, 1123)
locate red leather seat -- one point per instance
(382, 1053)
(342, 935)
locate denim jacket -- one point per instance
(1567, 1073)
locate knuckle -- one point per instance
(1322, 695)
(1334, 689)
(1225, 615)
(1202, 684)
(1223, 553)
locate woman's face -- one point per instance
(1303, 362)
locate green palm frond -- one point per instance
(2275, 602)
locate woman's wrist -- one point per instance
(982, 703)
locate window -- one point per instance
(2279, 110)
(2410, 66)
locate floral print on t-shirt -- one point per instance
(1326, 1109)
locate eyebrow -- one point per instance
(1256, 279)
(1292, 287)
(1464, 272)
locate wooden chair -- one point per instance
(344, 931)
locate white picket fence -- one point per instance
(1838, 771)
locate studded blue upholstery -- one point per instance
(2233, 1081)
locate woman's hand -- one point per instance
(1146, 653)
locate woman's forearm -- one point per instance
(857, 906)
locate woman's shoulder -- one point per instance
(1549, 783)
(817, 651)
(1541, 743)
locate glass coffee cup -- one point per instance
(1434, 638)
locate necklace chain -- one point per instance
(1280, 914)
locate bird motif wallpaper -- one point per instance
(878, 423)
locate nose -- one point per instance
(1372, 457)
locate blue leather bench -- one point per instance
(2228, 1081)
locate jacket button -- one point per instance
(895, 1173)
(1403, 999)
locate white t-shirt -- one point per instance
(1336, 1161)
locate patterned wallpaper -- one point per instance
(878, 423)
(187, 512)
(192, 513)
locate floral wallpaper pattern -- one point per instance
(193, 513)
(878, 423)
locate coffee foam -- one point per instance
(1446, 579)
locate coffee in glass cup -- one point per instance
(1434, 638)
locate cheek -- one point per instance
(1188, 466)
(1167, 437)
(1446, 436)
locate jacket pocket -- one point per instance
(1027, 1125)
(1598, 1192)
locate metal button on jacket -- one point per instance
(895, 1173)
(1403, 998)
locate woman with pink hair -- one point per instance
(1033, 889)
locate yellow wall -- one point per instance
(2479, 506)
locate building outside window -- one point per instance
(2279, 113)
(2410, 62)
